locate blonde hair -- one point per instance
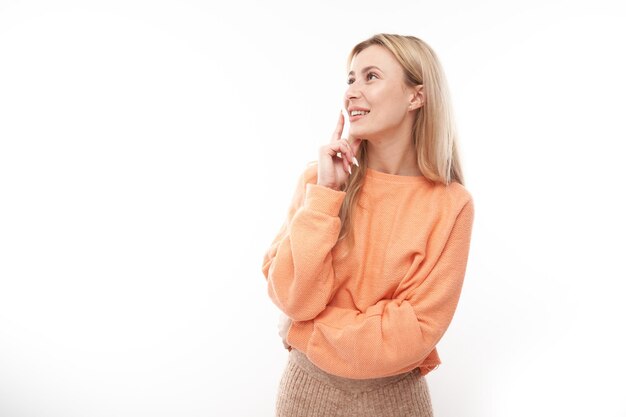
(434, 131)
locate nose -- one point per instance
(353, 91)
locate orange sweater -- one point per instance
(382, 310)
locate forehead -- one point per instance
(378, 56)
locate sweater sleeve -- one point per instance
(298, 266)
(394, 335)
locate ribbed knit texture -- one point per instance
(382, 310)
(307, 391)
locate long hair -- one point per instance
(434, 131)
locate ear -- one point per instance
(416, 100)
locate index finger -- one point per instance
(339, 129)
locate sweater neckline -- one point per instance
(400, 179)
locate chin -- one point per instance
(364, 134)
(359, 133)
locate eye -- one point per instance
(351, 80)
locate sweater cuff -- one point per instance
(299, 334)
(323, 199)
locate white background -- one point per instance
(149, 150)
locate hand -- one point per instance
(332, 170)
(284, 323)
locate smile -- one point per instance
(356, 115)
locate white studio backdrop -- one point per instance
(149, 150)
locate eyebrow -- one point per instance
(364, 70)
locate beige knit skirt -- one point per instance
(306, 390)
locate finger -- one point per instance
(345, 151)
(350, 154)
(339, 149)
(355, 143)
(339, 128)
(346, 166)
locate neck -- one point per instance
(394, 155)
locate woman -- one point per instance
(369, 264)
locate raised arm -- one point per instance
(298, 265)
(394, 335)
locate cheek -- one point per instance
(390, 103)
(391, 111)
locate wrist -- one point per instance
(328, 186)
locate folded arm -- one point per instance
(394, 335)
(299, 265)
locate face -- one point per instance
(376, 83)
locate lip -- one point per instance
(355, 118)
